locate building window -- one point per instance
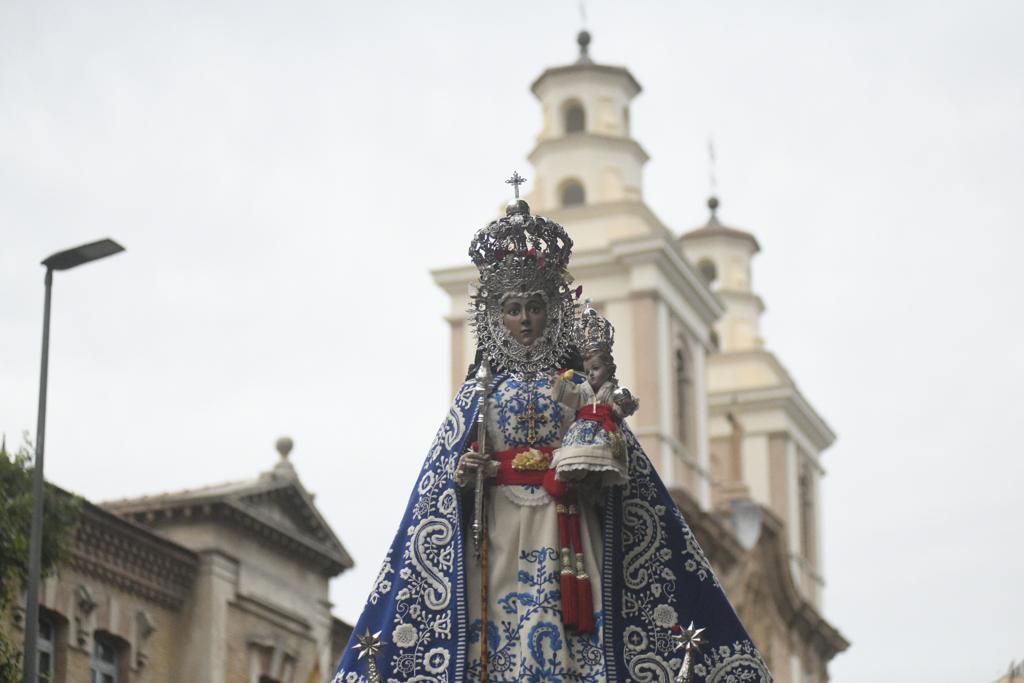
(683, 386)
(572, 193)
(708, 272)
(103, 667)
(805, 486)
(45, 649)
(575, 119)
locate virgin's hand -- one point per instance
(470, 463)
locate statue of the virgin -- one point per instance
(501, 572)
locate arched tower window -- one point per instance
(708, 272)
(572, 193)
(574, 116)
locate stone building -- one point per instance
(1015, 674)
(723, 421)
(223, 584)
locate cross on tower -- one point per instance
(515, 181)
(711, 166)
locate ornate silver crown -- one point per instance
(595, 333)
(520, 254)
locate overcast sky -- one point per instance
(284, 175)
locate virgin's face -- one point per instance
(525, 317)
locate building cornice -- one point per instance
(741, 295)
(583, 140)
(783, 397)
(716, 231)
(587, 67)
(240, 510)
(683, 277)
(132, 558)
(293, 622)
(248, 521)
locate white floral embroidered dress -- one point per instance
(587, 447)
(527, 641)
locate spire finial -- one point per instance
(713, 205)
(583, 40)
(712, 183)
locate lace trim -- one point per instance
(527, 496)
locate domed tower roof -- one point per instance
(584, 64)
(714, 228)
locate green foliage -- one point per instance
(10, 660)
(60, 517)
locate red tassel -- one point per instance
(570, 609)
(585, 612)
(566, 576)
(585, 597)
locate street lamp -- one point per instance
(63, 260)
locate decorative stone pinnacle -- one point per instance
(284, 446)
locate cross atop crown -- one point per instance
(515, 181)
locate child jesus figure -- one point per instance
(593, 449)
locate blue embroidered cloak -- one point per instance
(654, 576)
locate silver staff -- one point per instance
(483, 384)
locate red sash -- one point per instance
(510, 476)
(601, 414)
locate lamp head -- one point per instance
(69, 258)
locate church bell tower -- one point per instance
(723, 256)
(588, 168)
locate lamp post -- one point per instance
(63, 260)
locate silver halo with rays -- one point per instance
(522, 255)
